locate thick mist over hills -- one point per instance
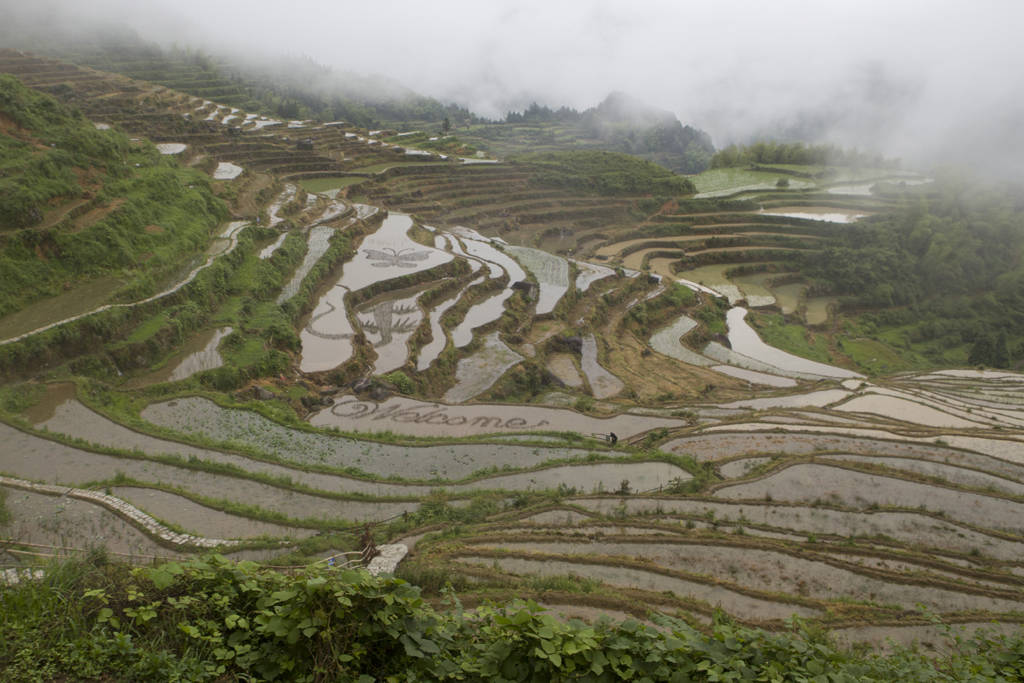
(929, 82)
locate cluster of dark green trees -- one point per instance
(771, 152)
(948, 267)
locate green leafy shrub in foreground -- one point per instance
(212, 619)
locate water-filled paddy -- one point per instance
(490, 254)
(592, 478)
(227, 171)
(814, 399)
(561, 365)
(951, 473)
(454, 461)
(906, 411)
(197, 355)
(775, 572)
(420, 418)
(811, 482)
(589, 273)
(912, 528)
(816, 213)
(754, 288)
(438, 338)
(666, 341)
(478, 315)
(201, 520)
(389, 253)
(714, 278)
(731, 601)
(286, 196)
(269, 250)
(169, 148)
(818, 309)
(34, 458)
(603, 384)
(745, 340)
(789, 296)
(388, 322)
(74, 524)
(327, 337)
(552, 273)
(754, 377)
(475, 374)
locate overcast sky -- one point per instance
(923, 79)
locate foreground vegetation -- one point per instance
(211, 619)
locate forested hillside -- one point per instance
(947, 269)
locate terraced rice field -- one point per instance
(740, 476)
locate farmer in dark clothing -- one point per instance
(612, 438)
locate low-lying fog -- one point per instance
(928, 80)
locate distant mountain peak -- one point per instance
(622, 107)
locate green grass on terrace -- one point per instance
(316, 185)
(718, 179)
(797, 339)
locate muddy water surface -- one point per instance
(389, 253)
(914, 529)
(227, 171)
(196, 355)
(811, 482)
(74, 524)
(551, 272)
(388, 322)
(603, 384)
(745, 340)
(561, 365)
(487, 311)
(318, 242)
(269, 250)
(34, 458)
(729, 600)
(774, 572)
(201, 520)
(667, 342)
(456, 461)
(589, 273)
(477, 373)
(438, 338)
(409, 416)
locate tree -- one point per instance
(446, 125)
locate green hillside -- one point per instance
(77, 202)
